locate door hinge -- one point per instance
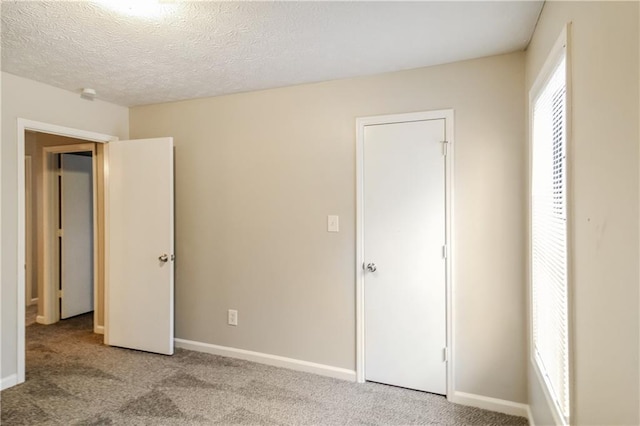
(444, 251)
(59, 233)
(59, 294)
(445, 145)
(445, 355)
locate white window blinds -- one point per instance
(549, 237)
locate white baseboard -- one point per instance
(40, 319)
(98, 329)
(274, 360)
(493, 404)
(7, 382)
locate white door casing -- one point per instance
(404, 319)
(28, 186)
(50, 227)
(139, 209)
(76, 257)
(23, 125)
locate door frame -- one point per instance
(29, 230)
(48, 268)
(361, 123)
(22, 126)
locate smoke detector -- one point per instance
(88, 94)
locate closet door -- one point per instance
(76, 236)
(404, 267)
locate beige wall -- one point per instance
(257, 173)
(22, 98)
(605, 209)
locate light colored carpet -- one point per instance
(31, 313)
(72, 378)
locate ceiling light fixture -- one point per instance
(139, 8)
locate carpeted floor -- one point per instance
(73, 379)
(31, 314)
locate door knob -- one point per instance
(164, 258)
(371, 267)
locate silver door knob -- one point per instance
(164, 258)
(371, 267)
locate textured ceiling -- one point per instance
(198, 49)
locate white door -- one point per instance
(139, 290)
(76, 254)
(404, 235)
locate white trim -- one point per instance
(20, 323)
(530, 416)
(449, 182)
(23, 125)
(105, 212)
(561, 47)
(493, 404)
(361, 122)
(41, 319)
(2, 387)
(51, 305)
(558, 50)
(38, 126)
(553, 408)
(28, 184)
(98, 329)
(8, 382)
(48, 259)
(268, 359)
(570, 223)
(34, 300)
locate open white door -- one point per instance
(76, 249)
(139, 288)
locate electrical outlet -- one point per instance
(232, 317)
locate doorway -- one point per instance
(133, 182)
(75, 234)
(404, 321)
(66, 229)
(47, 312)
(59, 197)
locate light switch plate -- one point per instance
(232, 317)
(333, 223)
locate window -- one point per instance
(549, 264)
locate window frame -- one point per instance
(561, 50)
